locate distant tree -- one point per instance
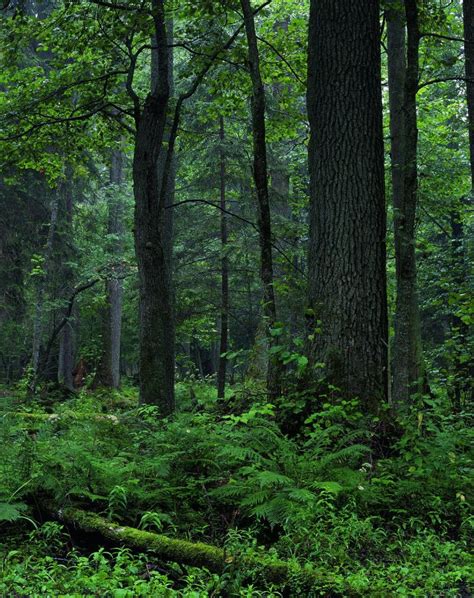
(108, 370)
(224, 315)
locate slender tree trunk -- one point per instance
(108, 371)
(155, 295)
(403, 57)
(66, 342)
(224, 319)
(347, 280)
(41, 292)
(260, 174)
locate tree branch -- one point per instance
(446, 37)
(116, 6)
(272, 47)
(443, 80)
(234, 215)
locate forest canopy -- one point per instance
(236, 347)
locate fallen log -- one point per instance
(197, 554)
(66, 416)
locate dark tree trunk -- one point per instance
(41, 294)
(108, 371)
(403, 86)
(260, 175)
(396, 45)
(347, 280)
(224, 318)
(463, 367)
(157, 343)
(468, 18)
(66, 343)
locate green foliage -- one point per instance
(230, 476)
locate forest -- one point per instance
(236, 307)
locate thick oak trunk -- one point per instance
(468, 21)
(347, 280)
(156, 329)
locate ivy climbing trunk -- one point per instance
(403, 72)
(347, 313)
(260, 175)
(156, 328)
(224, 316)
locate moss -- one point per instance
(198, 554)
(182, 551)
(69, 415)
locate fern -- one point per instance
(11, 511)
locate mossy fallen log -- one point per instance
(60, 417)
(198, 554)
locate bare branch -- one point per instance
(443, 80)
(272, 47)
(116, 6)
(446, 37)
(234, 215)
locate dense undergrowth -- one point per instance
(223, 472)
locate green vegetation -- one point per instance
(218, 474)
(236, 307)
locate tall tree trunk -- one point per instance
(403, 72)
(260, 175)
(224, 318)
(41, 292)
(463, 367)
(347, 280)
(468, 20)
(66, 344)
(156, 298)
(108, 371)
(169, 192)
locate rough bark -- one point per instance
(108, 371)
(224, 316)
(347, 280)
(403, 57)
(463, 369)
(155, 294)
(260, 175)
(468, 21)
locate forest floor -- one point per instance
(233, 474)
